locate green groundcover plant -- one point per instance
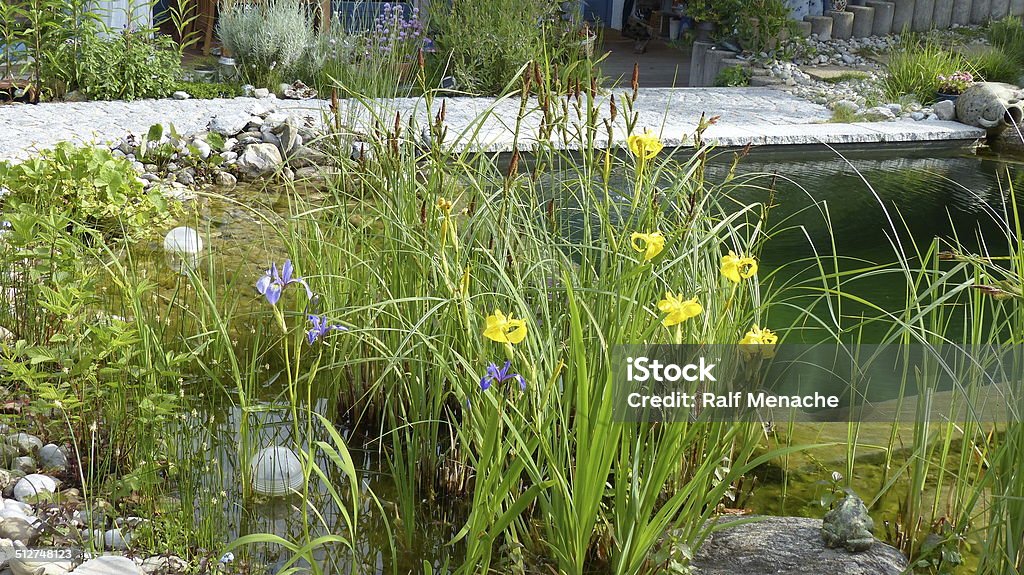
(91, 187)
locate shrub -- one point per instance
(915, 66)
(94, 190)
(490, 40)
(209, 90)
(759, 23)
(268, 39)
(128, 66)
(733, 76)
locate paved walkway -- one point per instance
(756, 116)
(661, 66)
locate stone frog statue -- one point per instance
(991, 105)
(849, 526)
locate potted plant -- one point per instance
(705, 17)
(950, 87)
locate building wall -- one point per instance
(120, 14)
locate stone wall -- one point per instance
(916, 15)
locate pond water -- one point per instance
(873, 202)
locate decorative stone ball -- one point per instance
(276, 471)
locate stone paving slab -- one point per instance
(756, 116)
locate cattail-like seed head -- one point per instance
(513, 165)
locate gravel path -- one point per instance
(757, 116)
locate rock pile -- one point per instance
(258, 143)
(35, 505)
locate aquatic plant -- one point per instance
(272, 283)
(650, 245)
(320, 328)
(497, 376)
(678, 310)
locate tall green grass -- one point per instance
(915, 65)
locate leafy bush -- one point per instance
(268, 39)
(491, 40)
(128, 66)
(209, 90)
(733, 76)
(915, 67)
(96, 190)
(758, 23)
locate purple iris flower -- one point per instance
(272, 283)
(497, 376)
(320, 328)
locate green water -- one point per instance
(863, 210)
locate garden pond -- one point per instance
(873, 201)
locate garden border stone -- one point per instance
(820, 26)
(980, 10)
(882, 23)
(842, 24)
(942, 18)
(863, 19)
(962, 12)
(903, 15)
(756, 116)
(999, 9)
(924, 14)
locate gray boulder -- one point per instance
(260, 160)
(108, 565)
(27, 444)
(229, 123)
(1011, 140)
(18, 529)
(945, 110)
(789, 545)
(53, 457)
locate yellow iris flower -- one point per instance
(763, 339)
(758, 336)
(650, 244)
(678, 309)
(645, 146)
(738, 268)
(504, 329)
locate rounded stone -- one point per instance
(24, 464)
(31, 486)
(108, 565)
(53, 457)
(18, 529)
(27, 444)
